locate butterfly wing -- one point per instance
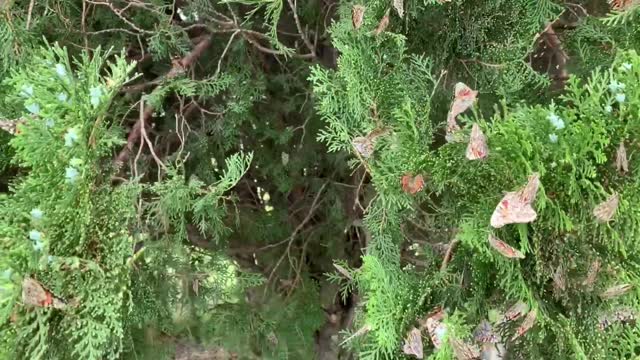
(504, 249)
(528, 193)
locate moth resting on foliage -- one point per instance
(463, 99)
(592, 273)
(357, 16)
(364, 145)
(11, 126)
(526, 325)
(34, 294)
(399, 6)
(504, 249)
(463, 350)
(413, 343)
(484, 333)
(622, 164)
(623, 315)
(615, 291)
(515, 312)
(477, 148)
(623, 5)
(412, 184)
(515, 207)
(436, 328)
(605, 210)
(382, 25)
(559, 279)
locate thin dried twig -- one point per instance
(314, 206)
(178, 68)
(118, 12)
(30, 11)
(303, 34)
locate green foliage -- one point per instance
(72, 235)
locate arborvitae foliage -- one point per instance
(269, 179)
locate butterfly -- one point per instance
(592, 273)
(463, 350)
(622, 5)
(615, 291)
(515, 207)
(436, 328)
(477, 148)
(622, 164)
(515, 312)
(464, 97)
(484, 333)
(357, 16)
(34, 294)
(413, 343)
(399, 6)
(412, 184)
(382, 25)
(526, 325)
(504, 249)
(605, 210)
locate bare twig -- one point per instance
(314, 206)
(449, 254)
(30, 11)
(118, 12)
(177, 69)
(226, 48)
(303, 35)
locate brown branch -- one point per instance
(303, 35)
(178, 68)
